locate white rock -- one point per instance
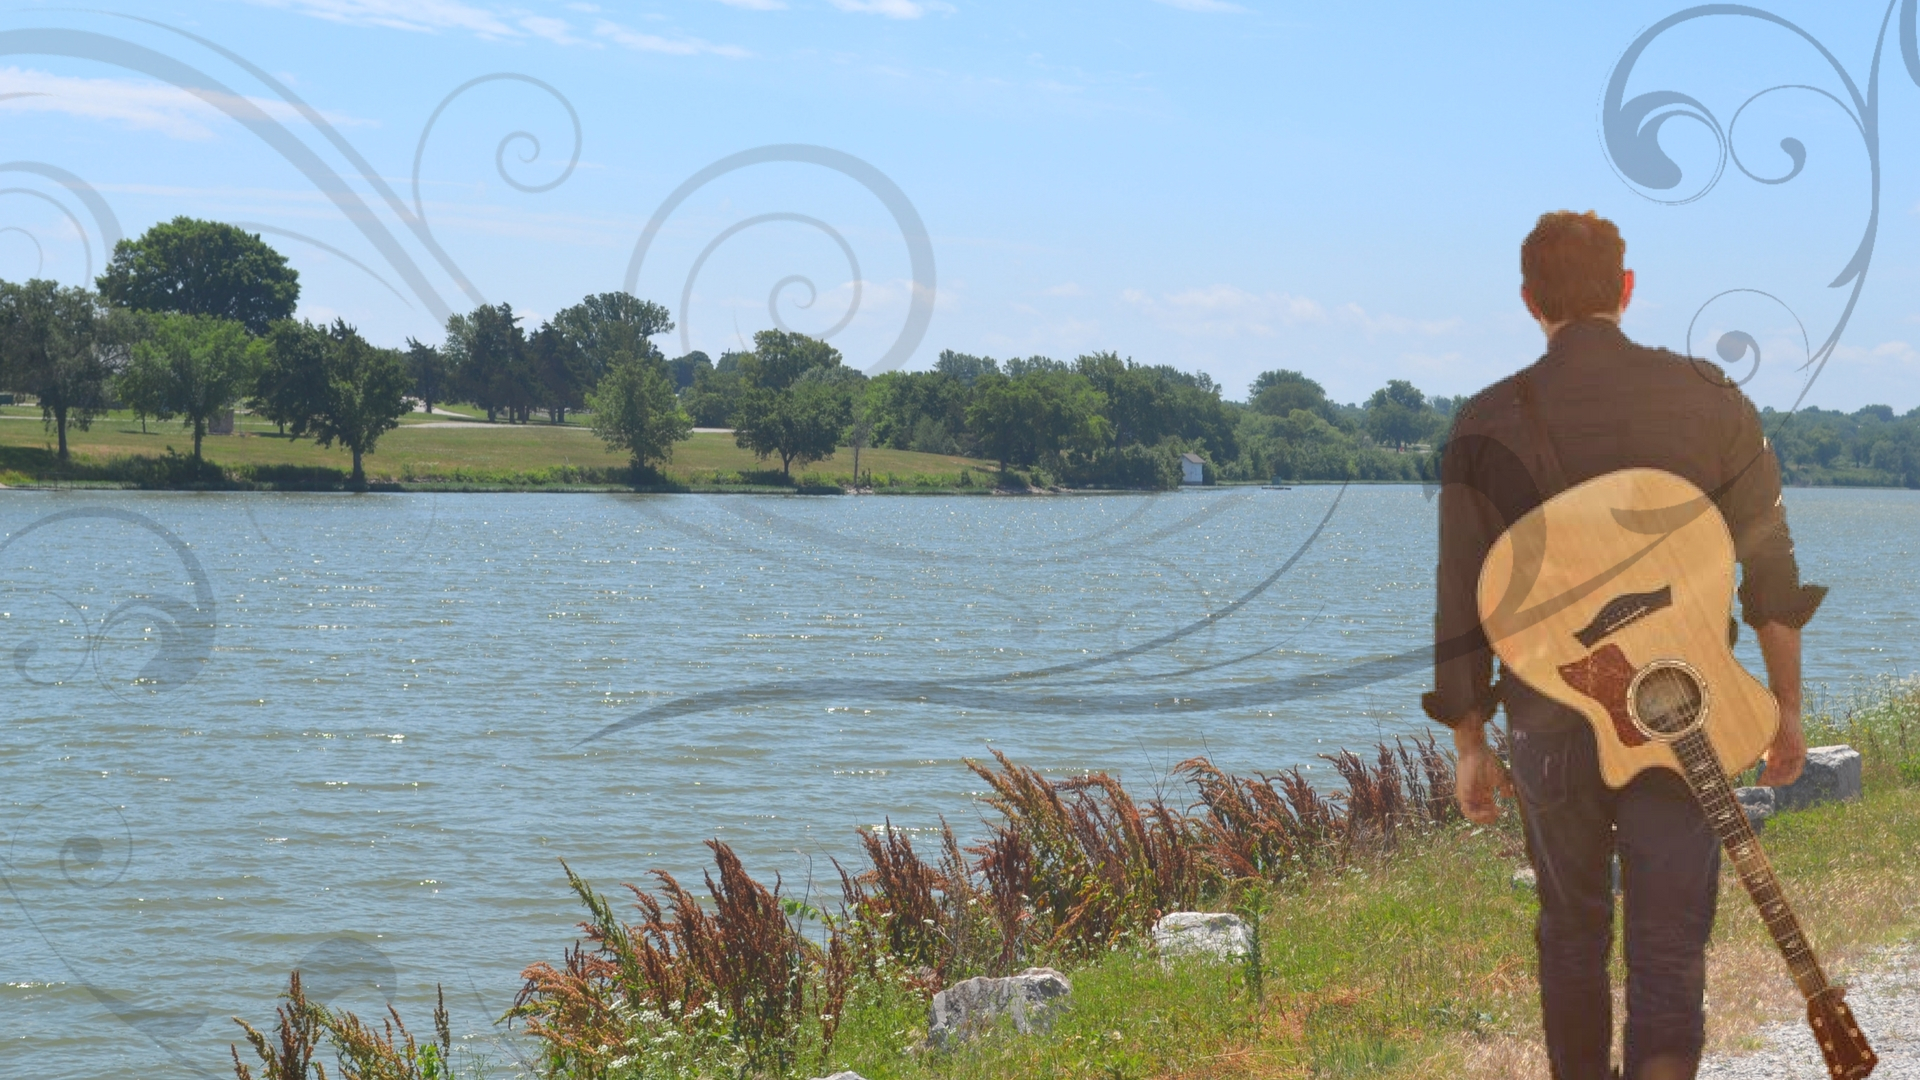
(1525, 878)
(1832, 775)
(1198, 933)
(968, 1008)
(847, 1075)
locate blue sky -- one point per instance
(1223, 186)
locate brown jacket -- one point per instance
(1606, 404)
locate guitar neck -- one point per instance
(1700, 765)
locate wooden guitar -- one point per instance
(1612, 598)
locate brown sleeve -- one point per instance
(1749, 499)
(1462, 661)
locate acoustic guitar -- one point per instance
(1612, 598)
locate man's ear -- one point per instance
(1626, 289)
(1527, 299)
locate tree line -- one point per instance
(195, 318)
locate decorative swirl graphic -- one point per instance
(528, 140)
(185, 630)
(106, 225)
(912, 230)
(1734, 346)
(773, 295)
(1630, 129)
(140, 59)
(39, 253)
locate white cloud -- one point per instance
(893, 9)
(757, 5)
(558, 31)
(641, 42)
(139, 104)
(1230, 312)
(1213, 6)
(1068, 289)
(432, 16)
(420, 16)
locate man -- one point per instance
(1594, 403)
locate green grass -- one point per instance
(1416, 966)
(473, 454)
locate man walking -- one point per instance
(1595, 403)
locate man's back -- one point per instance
(1602, 403)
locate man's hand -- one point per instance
(1788, 754)
(1478, 775)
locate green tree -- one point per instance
(61, 345)
(1278, 393)
(686, 369)
(365, 395)
(1398, 414)
(428, 368)
(192, 267)
(634, 409)
(607, 327)
(802, 423)
(779, 358)
(488, 353)
(193, 367)
(562, 370)
(290, 382)
(1040, 415)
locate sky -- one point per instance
(1227, 186)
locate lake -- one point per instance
(246, 732)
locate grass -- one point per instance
(114, 451)
(1391, 941)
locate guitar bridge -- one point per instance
(1623, 611)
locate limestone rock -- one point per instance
(1832, 775)
(1525, 878)
(1221, 936)
(968, 1008)
(1758, 802)
(847, 1075)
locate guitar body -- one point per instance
(1655, 548)
(1612, 598)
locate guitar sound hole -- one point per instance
(1667, 700)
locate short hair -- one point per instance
(1572, 265)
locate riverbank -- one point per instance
(1391, 938)
(443, 451)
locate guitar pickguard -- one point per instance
(1604, 676)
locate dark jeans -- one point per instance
(1669, 876)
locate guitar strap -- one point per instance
(1548, 474)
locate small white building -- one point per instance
(1193, 469)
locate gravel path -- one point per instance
(1885, 998)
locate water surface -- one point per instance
(365, 746)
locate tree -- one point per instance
(609, 326)
(290, 382)
(430, 372)
(193, 367)
(1039, 415)
(488, 353)
(365, 396)
(192, 267)
(801, 423)
(634, 409)
(560, 367)
(779, 358)
(62, 346)
(686, 369)
(1398, 414)
(1278, 393)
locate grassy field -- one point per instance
(455, 448)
